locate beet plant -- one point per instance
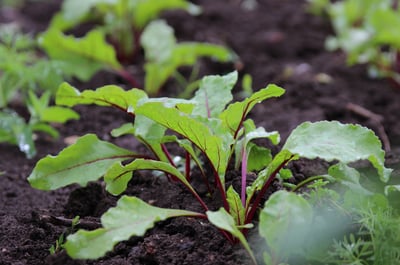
(122, 28)
(367, 31)
(211, 131)
(122, 21)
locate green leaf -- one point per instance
(236, 209)
(213, 95)
(131, 217)
(164, 58)
(156, 50)
(348, 177)
(285, 222)
(86, 160)
(145, 11)
(235, 114)
(193, 130)
(83, 56)
(45, 128)
(58, 114)
(110, 96)
(335, 141)
(258, 157)
(118, 176)
(223, 220)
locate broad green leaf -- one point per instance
(58, 114)
(118, 176)
(84, 56)
(236, 209)
(86, 160)
(235, 114)
(193, 130)
(348, 177)
(285, 222)
(110, 96)
(156, 50)
(214, 94)
(223, 220)
(131, 217)
(335, 141)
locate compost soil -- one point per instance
(277, 42)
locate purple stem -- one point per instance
(244, 175)
(187, 166)
(128, 77)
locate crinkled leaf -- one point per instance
(285, 222)
(131, 217)
(235, 114)
(84, 56)
(223, 220)
(193, 130)
(86, 160)
(213, 95)
(335, 141)
(110, 95)
(118, 176)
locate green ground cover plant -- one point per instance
(367, 31)
(211, 131)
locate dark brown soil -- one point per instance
(276, 38)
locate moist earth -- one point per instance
(277, 42)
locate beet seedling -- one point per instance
(367, 31)
(207, 126)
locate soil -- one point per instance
(278, 42)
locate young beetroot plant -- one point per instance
(211, 132)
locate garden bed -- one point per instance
(278, 42)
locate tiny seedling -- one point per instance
(211, 132)
(59, 244)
